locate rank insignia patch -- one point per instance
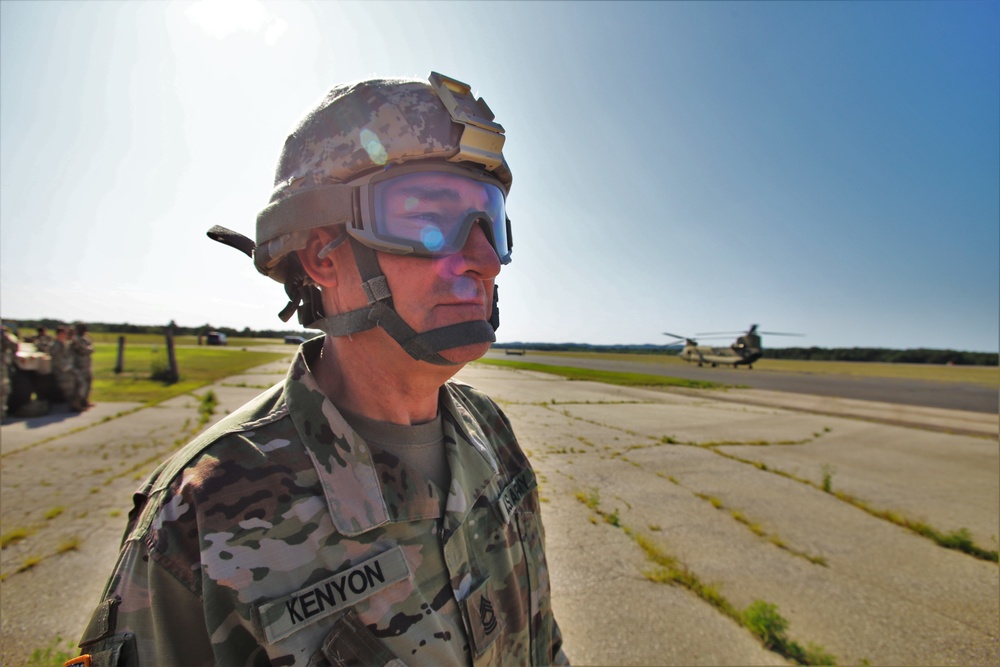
(484, 618)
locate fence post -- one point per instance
(173, 374)
(120, 363)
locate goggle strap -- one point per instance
(319, 207)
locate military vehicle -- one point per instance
(745, 351)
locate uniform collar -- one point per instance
(473, 464)
(358, 500)
(341, 458)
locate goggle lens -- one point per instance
(434, 212)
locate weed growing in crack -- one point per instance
(763, 620)
(828, 471)
(14, 536)
(68, 544)
(54, 512)
(959, 540)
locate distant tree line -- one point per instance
(105, 327)
(877, 354)
(885, 355)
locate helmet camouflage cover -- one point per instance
(359, 128)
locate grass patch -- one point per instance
(828, 471)
(199, 366)
(763, 619)
(206, 407)
(30, 562)
(68, 544)
(14, 536)
(53, 655)
(607, 377)
(592, 499)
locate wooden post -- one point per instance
(173, 374)
(120, 363)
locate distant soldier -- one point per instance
(63, 370)
(43, 341)
(83, 350)
(8, 346)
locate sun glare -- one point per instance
(221, 18)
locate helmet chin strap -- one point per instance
(380, 312)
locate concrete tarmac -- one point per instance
(921, 393)
(729, 490)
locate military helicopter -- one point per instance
(745, 350)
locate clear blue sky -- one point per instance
(825, 168)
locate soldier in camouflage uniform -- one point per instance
(82, 350)
(62, 369)
(8, 347)
(42, 340)
(368, 510)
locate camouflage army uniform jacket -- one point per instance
(83, 349)
(277, 538)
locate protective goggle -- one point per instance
(429, 210)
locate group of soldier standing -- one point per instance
(71, 373)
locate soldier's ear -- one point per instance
(318, 259)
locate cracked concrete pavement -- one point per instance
(731, 489)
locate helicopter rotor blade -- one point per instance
(751, 330)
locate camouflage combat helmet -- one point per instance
(356, 131)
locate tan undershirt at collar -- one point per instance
(420, 445)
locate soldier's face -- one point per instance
(429, 293)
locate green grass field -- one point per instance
(608, 377)
(984, 375)
(198, 366)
